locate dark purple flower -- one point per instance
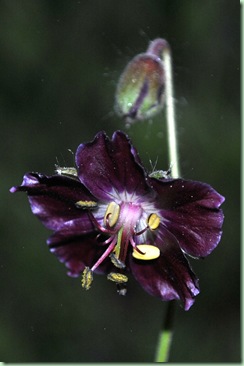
(112, 217)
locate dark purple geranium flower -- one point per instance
(112, 217)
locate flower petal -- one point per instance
(70, 230)
(108, 167)
(190, 211)
(52, 199)
(169, 276)
(78, 251)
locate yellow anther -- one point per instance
(117, 277)
(116, 262)
(153, 221)
(86, 204)
(146, 252)
(112, 214)
(87, 278)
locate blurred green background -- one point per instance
(60, 61)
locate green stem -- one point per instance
(161, 48)
(166, 335)
(170, 113)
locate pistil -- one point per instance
(120, 223)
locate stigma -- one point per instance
(124, 225)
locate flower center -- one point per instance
(121, 224)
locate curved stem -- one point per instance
(161, 48)
(170, 113)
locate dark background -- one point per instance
(60, 61)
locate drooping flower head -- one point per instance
(111, 217)
(141, 86)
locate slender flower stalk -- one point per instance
(170, 113)
(166, 335)
(161, 48)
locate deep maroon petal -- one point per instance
(70, 230)
(169, 276)
(53, 199)
(78, 252)
(107, 167)
(190, 211)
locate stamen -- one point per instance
(142, 231)
(87, 278)
(116, 262)
(112, 214)
(153, 221)
(146, 252)
(86, 204)
(105, 254)
(115, 256)
(118, 245)
(98, 226)
(117, 277)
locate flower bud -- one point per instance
(140, 90)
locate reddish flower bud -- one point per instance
(140, 90)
